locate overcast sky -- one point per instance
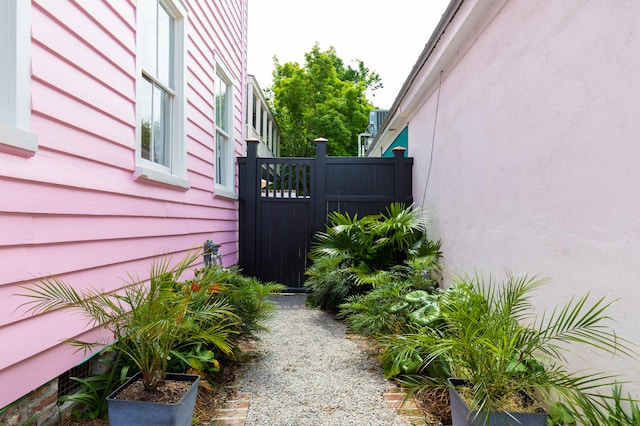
(388, 36)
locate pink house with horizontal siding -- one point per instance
(120, 125)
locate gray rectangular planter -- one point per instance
(142, 413)
(460, 415)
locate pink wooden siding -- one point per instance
(74, 209)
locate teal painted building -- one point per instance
(402, 140)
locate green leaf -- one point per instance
(321, 98)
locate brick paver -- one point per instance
(236, 408)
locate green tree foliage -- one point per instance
(323, 98)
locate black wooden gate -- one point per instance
(285, 201)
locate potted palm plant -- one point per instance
(504, 358)
(147, 319)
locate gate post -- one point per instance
(399, 184)
(318, 198)
(249, 192)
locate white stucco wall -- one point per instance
(536, 155)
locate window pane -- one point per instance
(165, 47)
(146, 52)
(254, 118)
(156, 132)
(161, 129)
(220, 88)
(167, 114)
(263, 131)
(221, 155)
(144, 99)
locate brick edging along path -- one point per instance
(236, 408)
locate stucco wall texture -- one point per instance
(535, 156)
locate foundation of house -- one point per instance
(39, 407)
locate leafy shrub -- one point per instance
(329, 280)
(148, 318)
(384, 310)
(371, 315)
(376, 241)
(354, 254)
(401, 357)
(162, 324)
(246, 297)
(249, 298)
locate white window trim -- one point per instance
(148, 171)
(227, 191)
(15, 80)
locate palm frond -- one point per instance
(578, 322)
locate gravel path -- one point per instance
(309, 373)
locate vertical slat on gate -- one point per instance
(318, 194)
(252, 192)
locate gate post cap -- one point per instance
(398, 151)
(320, 140)
(252, 140)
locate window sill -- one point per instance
(224, 192)
(17, 142)
(156, 177)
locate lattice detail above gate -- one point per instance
(285, 179)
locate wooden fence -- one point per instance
(285, 201)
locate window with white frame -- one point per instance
(254, 111)
(224, 139)
(15, 79)
(160, 98)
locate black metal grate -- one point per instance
(67, 386)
